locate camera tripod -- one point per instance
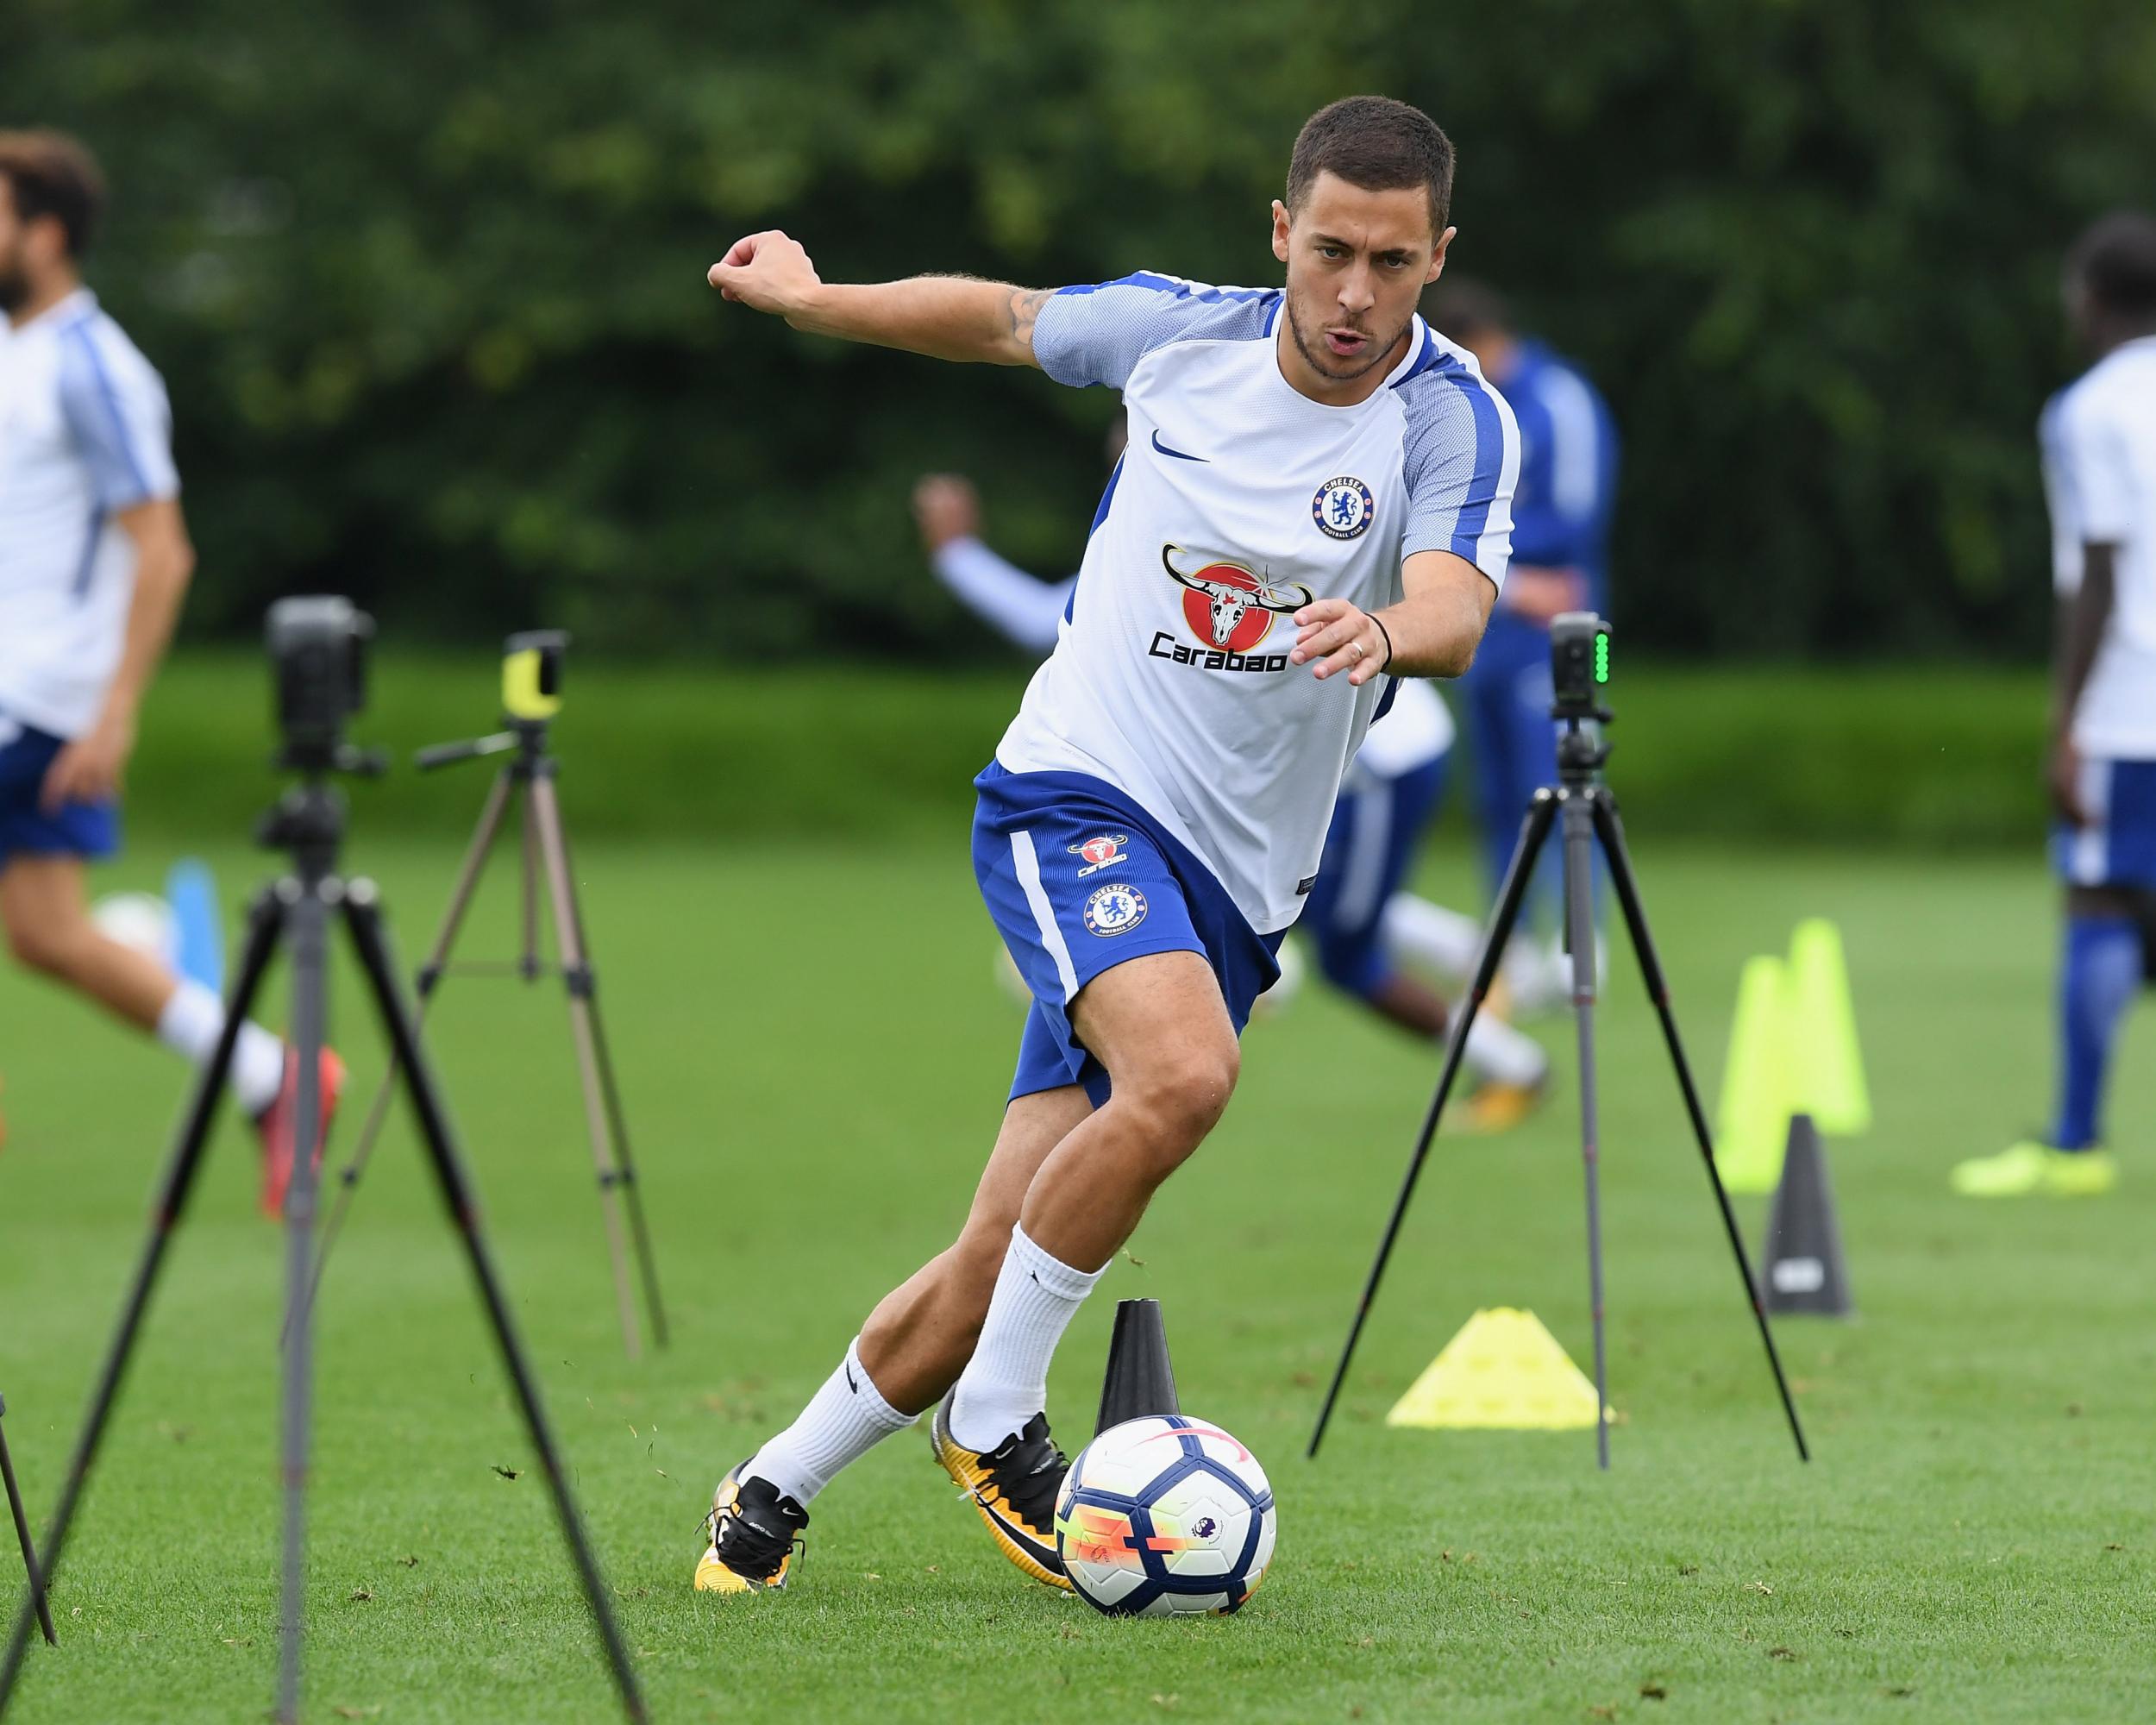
(531, 770)
(23, 1536)
(297, 909)
(1590, 815)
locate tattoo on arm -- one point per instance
(1025, 307)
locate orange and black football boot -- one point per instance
(752, 1534)
(1014, 1487)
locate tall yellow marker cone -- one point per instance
(1829, 1076)
(1752, 1125)
(1503, 1370)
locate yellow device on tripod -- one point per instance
(531, 673)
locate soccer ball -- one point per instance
(1165, 1517)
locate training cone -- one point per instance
(192, 891)
(1829, 1076)
(1504, 1371)
(1751, 1124)
(1139, 1380)
(1802, 1263)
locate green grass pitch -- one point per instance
(813, 1057)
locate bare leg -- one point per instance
(1159, 1026)
(46, 913)
(918, 1339)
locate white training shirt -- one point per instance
(1238, 500)
(2099, 444)
(1415, 730)
(86, 432)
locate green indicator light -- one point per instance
(1602, 658)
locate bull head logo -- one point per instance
(1239, 607)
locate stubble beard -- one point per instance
(14, 282)
(1325, 365)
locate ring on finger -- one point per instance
(1359, 650)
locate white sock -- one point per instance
(192, 1022)
(1496, 1051)
(1006, 1382)
(844, 1420)
(1417, 932)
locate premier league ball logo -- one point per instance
(1342, 507)
(1115, 910)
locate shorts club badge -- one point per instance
(1102, 852)
(1114, 910)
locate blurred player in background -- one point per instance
(2098, 438)
(1561, 516)
(1315, 501)
(94, 563)
(1358, 915)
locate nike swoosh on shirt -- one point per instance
(1177, 454)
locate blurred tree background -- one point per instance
(426, 280)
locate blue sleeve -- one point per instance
(1569, 478)
(1098, 334)
(1462, 462)
(1027, 611)
(116, 413)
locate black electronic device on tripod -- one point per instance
(318, 645)
(1579, 664)
(531, 697)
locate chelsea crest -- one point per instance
(1342, 507)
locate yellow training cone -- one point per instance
(1829, 1076)
(1503, 1370)
(1752, 1127)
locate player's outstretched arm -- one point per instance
(946, 318)
(1432, 632)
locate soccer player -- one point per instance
(1314, 501)
(94, 562)
(2098, 439)
(1359, 916)
(1561, 515)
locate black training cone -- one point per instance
(1139, 1379)
(1802, 1263)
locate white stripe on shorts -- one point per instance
(1028, 868)
(2089, 864)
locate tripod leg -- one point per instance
(475, 856)
(546, 818)
(306, 921)
(632, 1194)
(362, 918)
(264, 919)
(22, 1537)
(528, 965)
(1579, 936)
(1533, 830)
(1611, 830)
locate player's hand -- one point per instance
(1542, 594)
(946, 507)
(1340, 638)
(766, 271)
(89, 769)
(2064, 772)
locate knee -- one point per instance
(39, 944)
(1179, 1098)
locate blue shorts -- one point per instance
(1368, 849)
(79, 830)
(1079, 880)
(2118, 846)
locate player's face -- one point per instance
(1357, 262)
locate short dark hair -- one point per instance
(48, 173)
(2115, 260)
(1378, 144)
(1464, 307)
